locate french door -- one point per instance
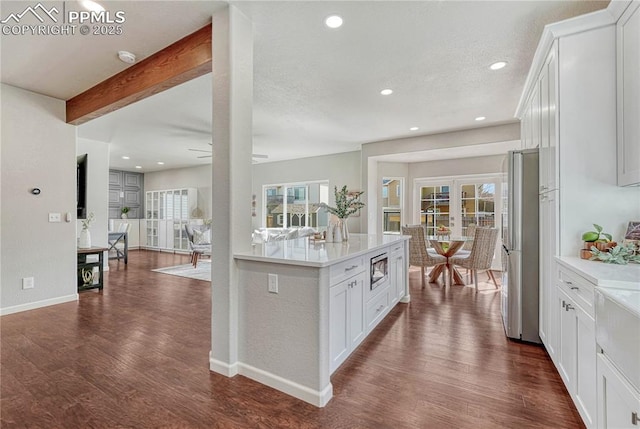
(458, 202)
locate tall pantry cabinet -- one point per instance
(568, 111)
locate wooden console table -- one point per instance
(87, 277)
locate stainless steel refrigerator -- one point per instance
(520, 242)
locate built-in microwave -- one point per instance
(379, 270)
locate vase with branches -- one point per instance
(84, 241)
(347, 204)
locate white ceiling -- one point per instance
(316, 90)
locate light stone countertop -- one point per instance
(306, 252)
(605, 275)
(621, 283)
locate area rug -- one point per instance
(201, 272)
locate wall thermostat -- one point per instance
(35, 191)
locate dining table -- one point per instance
(447, 246)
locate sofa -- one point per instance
(264, 235)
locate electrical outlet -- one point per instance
(54, 217)
(273, 283)
(28, 283)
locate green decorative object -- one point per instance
(597, 235)
(347, 203)
(621, 254)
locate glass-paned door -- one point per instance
(435, 206)
(460, 202)
(392, 196)
(478, 205)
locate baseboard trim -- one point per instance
(319, 398)
(38, 304)
(223, 368)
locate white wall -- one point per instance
(339, 169)
(38, 149)
(193, 177)
(97, 190)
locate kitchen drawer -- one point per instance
(396, 248)
(376, 309)
(577, 287)
(343, 270)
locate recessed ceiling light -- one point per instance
(138, 166)
(125, 157)
(386, 92)
(126, 57)
(413, 129)
(92, 6)
(480, 118)
(333, 21)
(160, 163)
(498, 65)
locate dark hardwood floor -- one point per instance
(136, 355)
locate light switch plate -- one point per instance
(54, 217)
(273, 283)
(28, 283)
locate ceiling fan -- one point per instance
(255, 156)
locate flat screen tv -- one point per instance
(81, 186)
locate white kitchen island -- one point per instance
(304, 306)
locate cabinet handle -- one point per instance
(634, 418)
(353, 267)
(569, 307)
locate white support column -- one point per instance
(232, 147)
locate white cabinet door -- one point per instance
(535, 119)
(355, 298)
(396, 275)
(567, 352)
(577, 357)
(549, 307)
(628, 82)
(338, 326)
(586, 379)
(618, 401)
(548, 129)
(347, 319)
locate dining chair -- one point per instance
(119, 247)
(481, 255)
(418, 254)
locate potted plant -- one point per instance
(124, 211)
(602, 241)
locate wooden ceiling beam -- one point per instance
(184, 60)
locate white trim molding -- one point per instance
(228, 370)
(578, 24)
(38, 304)
(319, 398)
